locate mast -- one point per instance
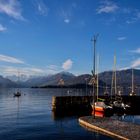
(115, 74)
(97, 73)
(18, 80)
(114, 83)
(94, 40)
(132, 81)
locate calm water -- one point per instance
(30, 117)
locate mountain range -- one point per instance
(124, 78)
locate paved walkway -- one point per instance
(112, 127)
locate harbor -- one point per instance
(107, 125)
(76, 105)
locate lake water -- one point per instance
(30, 118)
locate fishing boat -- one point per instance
(98, 107)
(17, 93)
(132, 93)
(117, 103)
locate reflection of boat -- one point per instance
(132, 93)
(98, 114)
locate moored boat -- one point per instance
(17, 94)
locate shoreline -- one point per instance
(111, 127)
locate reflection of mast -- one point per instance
(18, 108)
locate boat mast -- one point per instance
(114, 83)
(115, 74)
(18, 80)
(97, 73)
(132, 81)
(94, 40)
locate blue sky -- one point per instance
(40, 37)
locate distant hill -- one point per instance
(49, 80)
(6, 83)
(123, 77)
(69, 79)
(15, 78)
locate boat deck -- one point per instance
(112, 127)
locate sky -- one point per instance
(41, 37)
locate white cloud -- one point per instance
(136, 63)
(10, 59)
(136, 51)
(53, 67)
(67, 64)
(124, 68)
(42, 8)
(11, 8)
(107, 7)
(134, 17)
(121, 38)
(9, 70)
(2, 28)
(66, 20)
(65, 15)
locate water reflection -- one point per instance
(30, 117)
